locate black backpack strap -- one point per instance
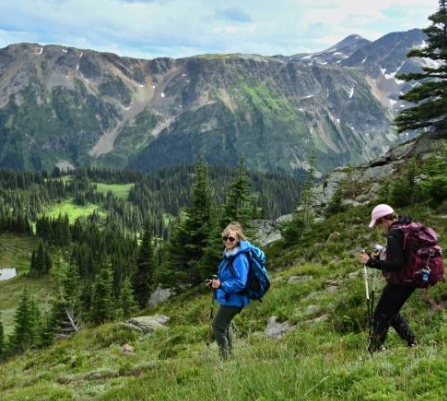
(231, 259)
(230, 265)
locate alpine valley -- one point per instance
(74, 108)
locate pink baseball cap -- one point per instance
(379, 211)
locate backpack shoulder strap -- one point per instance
(230, 265)
(405, 229)
(230, 260)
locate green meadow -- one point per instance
(67, 207)
(119, 190)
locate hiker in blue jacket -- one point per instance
(394, 295)
(232, 278)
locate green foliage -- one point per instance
(127, 299)
(40, 262)
(238, 205)
(404, 191)
(27, 325)
(303, 216)
(143, 278)
(191, 235)
(102, 309)
(430, 95)
(421, 182)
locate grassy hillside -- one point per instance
(318, 288)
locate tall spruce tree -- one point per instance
(430, 93)
(65, 314)
(197, 225)
(41, 262)
(103, 303)
(27, 320)
(192, 230)
(143, 279)
(127, 299)
(239, 204)
(212, 252)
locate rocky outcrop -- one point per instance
(367, 178)
(266, 231)
(147, 324)
(276, 329)
(160, 295)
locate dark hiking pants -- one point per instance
(387, 314)
(223, 332)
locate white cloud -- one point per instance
(178, 28)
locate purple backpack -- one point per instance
(424, 266)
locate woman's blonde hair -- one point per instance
(234, 226)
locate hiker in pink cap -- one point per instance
(394, 295)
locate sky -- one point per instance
(181, 28)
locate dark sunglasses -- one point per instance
(231, 239)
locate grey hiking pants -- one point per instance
(222, 330)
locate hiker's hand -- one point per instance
(215, 283)
(364, 257)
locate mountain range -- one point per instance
(69, 108)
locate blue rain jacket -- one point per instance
(233, 281)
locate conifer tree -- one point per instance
(404, 191)
(40, 262)
(174, 265)
(36, 324)
(48, 330)
(127, 299)
(430, 92)
(143, 279)
(103, 306)
(304, 214)
(190, 234)
(434, 187)
(238, 204)
(65, 314)
(197, 226)
(26, 326)
(212, 253)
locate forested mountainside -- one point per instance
(77, 108)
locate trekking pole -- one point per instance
(368, 299)
(373, 291)
(213, 297)
(372, 303)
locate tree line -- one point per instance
(25, 196)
